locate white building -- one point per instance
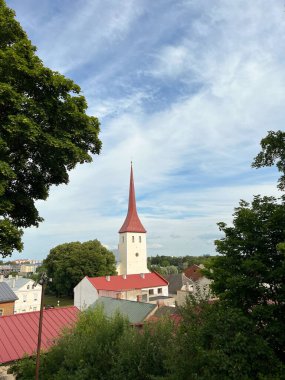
(132, 239)
(146, 287)
(29, 294)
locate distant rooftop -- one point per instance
(6, 293)
(136, 312)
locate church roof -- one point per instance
(128, 282)
(132, 222)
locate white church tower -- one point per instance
(132, 239)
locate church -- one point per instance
(134, 281)
(132, 239)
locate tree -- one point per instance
(45, 131)
(69, 263)
(216, 342)
(273, 151)
(250, 273)
(103, 348)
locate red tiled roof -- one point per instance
(132, 222)
(19, 332)
(193, 272)
(132, 281)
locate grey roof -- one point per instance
(19, 282)
(135, 311)
(6, 293)
(166, 311)
(176, 281)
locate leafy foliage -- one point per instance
(101, 348)
(69, 263)
(216, 342)
(273, 151)
(45, 131)
(250, 274)
(212, 342)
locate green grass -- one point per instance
(63, 301)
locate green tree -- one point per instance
(273, 152)
(216, 342)
(250, 273)
(45, 131)
(69, 263)
(100, 348)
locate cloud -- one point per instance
(186, 91)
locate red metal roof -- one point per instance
(19, 332)
(132, 222)
(132, 281)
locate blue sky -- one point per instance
(184, 88)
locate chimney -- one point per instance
(10, 276)
(124, 276)
(13, 282)
(139, 298)
(142, 275)
(108, 278)
(17, 277)
(1, 277)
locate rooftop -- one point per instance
(128, 282)
(6, 293)
(136, 312)
(19, 332)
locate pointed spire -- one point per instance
(132, 222)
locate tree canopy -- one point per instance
(273, 152)
(45, 131)
(69, 263)
(250, 273)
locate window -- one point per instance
(24, 298)
(28, 286)
(34, 309)
(159, 290)
(150, 292)
(133, 239)
(35, 297)
(33, 286)
(140, 239)
(137, 255)
(1, 312)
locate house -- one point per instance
(135, 312)
(131, 287)
(196, 284)
(7, 299)
(19, 332)
(28, 293)
(132, 239)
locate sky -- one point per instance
(185, 89)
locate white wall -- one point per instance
(84, 294)
(29, 298)
(133, 254)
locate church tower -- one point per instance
(132, 239)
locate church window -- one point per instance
(140, 239)
(133, 239)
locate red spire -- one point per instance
(132, 222)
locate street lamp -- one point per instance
(43, 282)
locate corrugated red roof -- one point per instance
(132, 281)
(19, 332)
(132, 222)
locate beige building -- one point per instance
(132, 239)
